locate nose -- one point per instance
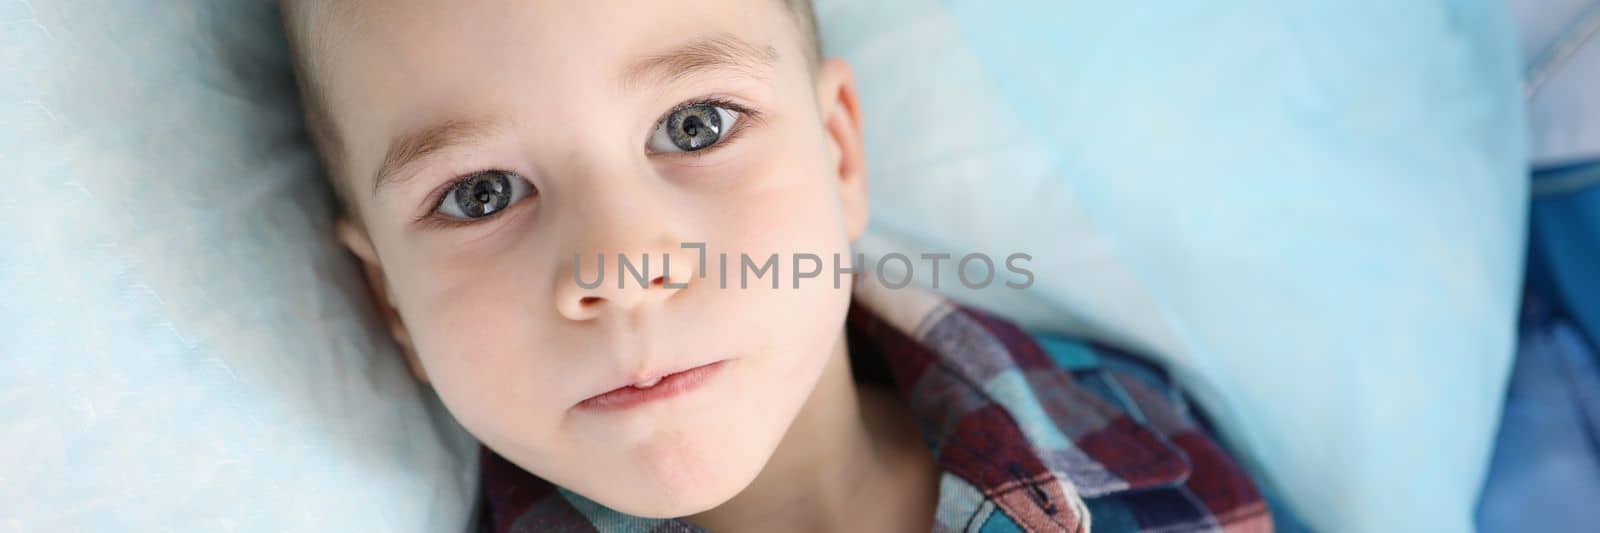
(603, 283)
(627, 257)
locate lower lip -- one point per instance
(669, 386)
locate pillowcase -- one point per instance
(184, 345)
(1312, 212)
(1560, 43)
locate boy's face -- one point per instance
(562, 102)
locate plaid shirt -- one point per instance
(1031, 435)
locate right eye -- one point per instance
(483, 194)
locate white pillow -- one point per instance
(182, 345)
(1312, 211)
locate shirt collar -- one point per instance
(1002, 417)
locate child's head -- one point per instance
(479, 148)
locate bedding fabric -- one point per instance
(1311, 211)
(1545, 475)
(182, 345)
(1560, 42)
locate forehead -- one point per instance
(417, 35)
(397, 64)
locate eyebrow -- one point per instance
(407, 149)
(716, 52)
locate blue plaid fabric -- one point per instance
(1032, 435)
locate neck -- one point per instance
(851, 458)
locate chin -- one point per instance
(673, 506)
(682, 480)
(674, 498)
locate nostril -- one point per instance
(588, 300)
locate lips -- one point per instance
(658, 388)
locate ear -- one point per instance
(356, 239)
(841, 117)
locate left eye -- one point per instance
(693, 128)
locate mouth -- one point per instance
(654, 389)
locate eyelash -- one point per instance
(747, 116)
(431, 221)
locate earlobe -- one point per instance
(355, 239)
(841, 115)
(359, 243)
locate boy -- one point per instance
(485, 152)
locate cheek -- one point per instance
(790, 208)
(476, 326)
(786, 200)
